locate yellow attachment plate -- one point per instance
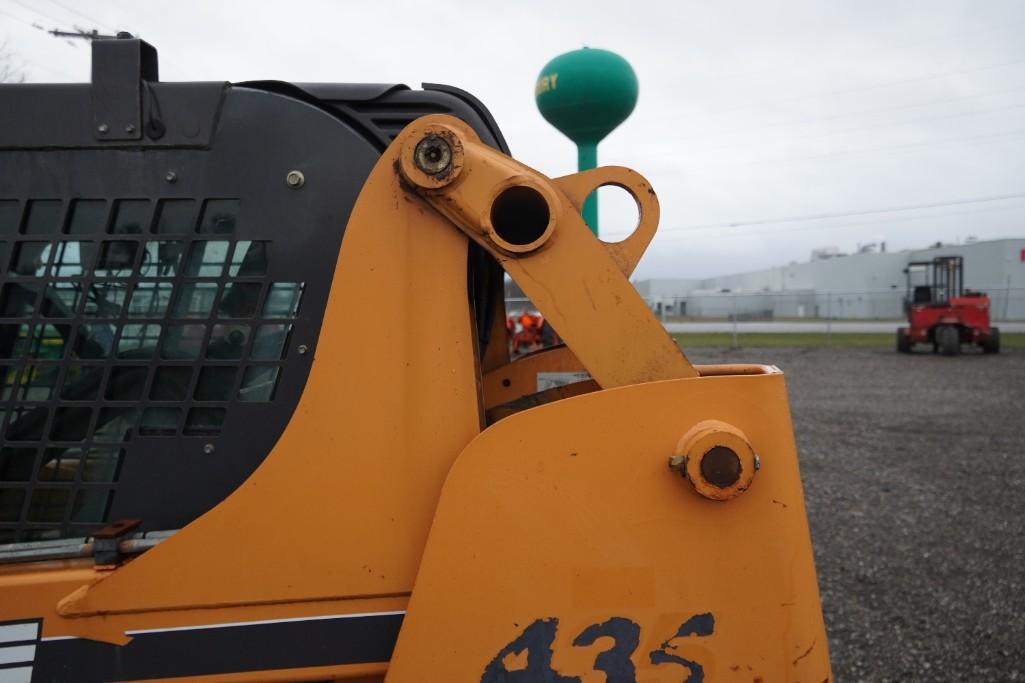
(628, 251)
(563, 546)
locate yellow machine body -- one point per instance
(516, 536)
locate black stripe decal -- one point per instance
(332, 641)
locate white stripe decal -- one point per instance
(260, 623)
(17, 654)
(12, 633)
(22, 674)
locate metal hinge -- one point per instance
(106, 550)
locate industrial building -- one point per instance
(869, 284)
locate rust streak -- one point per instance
(806, 652)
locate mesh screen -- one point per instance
(120, 320)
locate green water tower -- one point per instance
(586, 94)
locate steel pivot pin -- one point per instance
(432, 155)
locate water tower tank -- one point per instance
(586, 94)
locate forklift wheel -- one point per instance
(903, 340)
(992, 344)
(949, 340)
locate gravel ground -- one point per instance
(914, 476)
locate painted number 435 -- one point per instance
(615, 662)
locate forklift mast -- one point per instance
(935, 282)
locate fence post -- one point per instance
(1007, 298)
(829, 319)
(735, 345)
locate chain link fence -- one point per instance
(1006, 304)
(804, 311)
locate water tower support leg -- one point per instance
(587, 158)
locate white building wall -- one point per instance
(667, 287)
(855, 273)
(666, 296)
(752, 305)
(869, 285)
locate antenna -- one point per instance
(84, 34)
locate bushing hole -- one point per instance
(520, 215)
(620, 212)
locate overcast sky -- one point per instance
(749, 112)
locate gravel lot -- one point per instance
(914, 473)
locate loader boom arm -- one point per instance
(531, 227)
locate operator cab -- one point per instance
(166, 253)
(935, 282)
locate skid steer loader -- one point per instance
(228, 454)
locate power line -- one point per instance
(882, 148)
(856, 129)
(867, 150)
(705, 236)
(32, 65)
(79, 14)
(845, 214)
(961, 34)
(846, 115)
(17, 18)
(918, 79)
(898, 219)
(875, 86)
(902, 45)
(36, 11)
(57, 33)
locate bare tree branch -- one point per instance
(9, 71)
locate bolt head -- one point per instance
(433, 155)
(129, 128)
(171, 177)
(103, 128)
(295, 179)
(208, 448)
(303, 349)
